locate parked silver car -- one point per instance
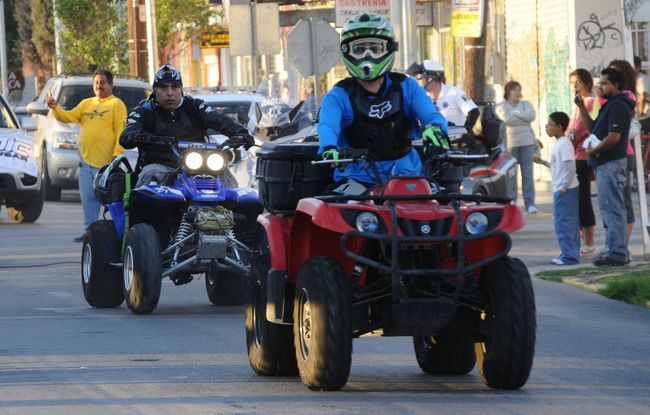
(60, 140)
(20, 167)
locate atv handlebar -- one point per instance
(347, 155)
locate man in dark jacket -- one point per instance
(608, 156)
(168, 117)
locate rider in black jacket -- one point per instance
(167, 117)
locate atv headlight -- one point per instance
(216, 162)
(367, 222)
(476, 223)
(193, 160)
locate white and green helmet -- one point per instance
(368, 46)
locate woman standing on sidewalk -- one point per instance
(582, 84)
(517, 114)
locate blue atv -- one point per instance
(198, 224)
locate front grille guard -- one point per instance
(461, 270)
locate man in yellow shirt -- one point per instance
(101, 120)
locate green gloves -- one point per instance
(330, 153)
(434, 135)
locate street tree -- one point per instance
(43, 33)
(183, 18)
(93, 35)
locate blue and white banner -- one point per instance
(17, 153)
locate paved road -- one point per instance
(59, 356)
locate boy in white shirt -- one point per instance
(565, 190)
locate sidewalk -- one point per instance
(536, 243)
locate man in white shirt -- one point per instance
(452, 102)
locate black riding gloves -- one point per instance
(241, 140)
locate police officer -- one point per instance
(452, 102)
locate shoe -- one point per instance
(609, 262)
(557, 261)
(532, 210)
(79, 239)
(600, 253)
(587, 250)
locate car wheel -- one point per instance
(142, 269)
(505, 358)
(52, 193)
(270, 346)
(28, 211)
(322, 327)
(101, 283)
(447, 354)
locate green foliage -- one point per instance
(633, 289)
(42, 33)
(13, 59)
(94, 35)
(184, 17)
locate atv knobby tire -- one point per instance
(226, 287)
(142, 269)
(445, 354)
(270, 346)
(506, 357)
(100, 282)
(322, 324)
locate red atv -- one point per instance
(396, 260)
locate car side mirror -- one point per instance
(39, 108)
(28, 124)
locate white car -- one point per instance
(21, 173)
(237, 106)
(60, 140)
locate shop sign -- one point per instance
(215, 38)
(466, 18)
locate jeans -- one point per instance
(524, 156)
(611, 178)
(567, 224)
(89, 202)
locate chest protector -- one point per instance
(379, 124)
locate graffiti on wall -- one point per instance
(599, 38)
(593, 35)
(556, 70)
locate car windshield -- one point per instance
(71, 95)
(130, 96)
(5, 118)
(236, 111)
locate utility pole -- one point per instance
(474, 68)
(58, 43)
(152, 41)
(402, 16)
(137, 38)
(3, 50)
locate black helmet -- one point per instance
(167, 74)
(109, 183)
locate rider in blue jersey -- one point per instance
(376, 109)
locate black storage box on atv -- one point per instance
(285, 175)
(488, 127)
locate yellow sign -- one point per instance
(217, 38)
(466, 18)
